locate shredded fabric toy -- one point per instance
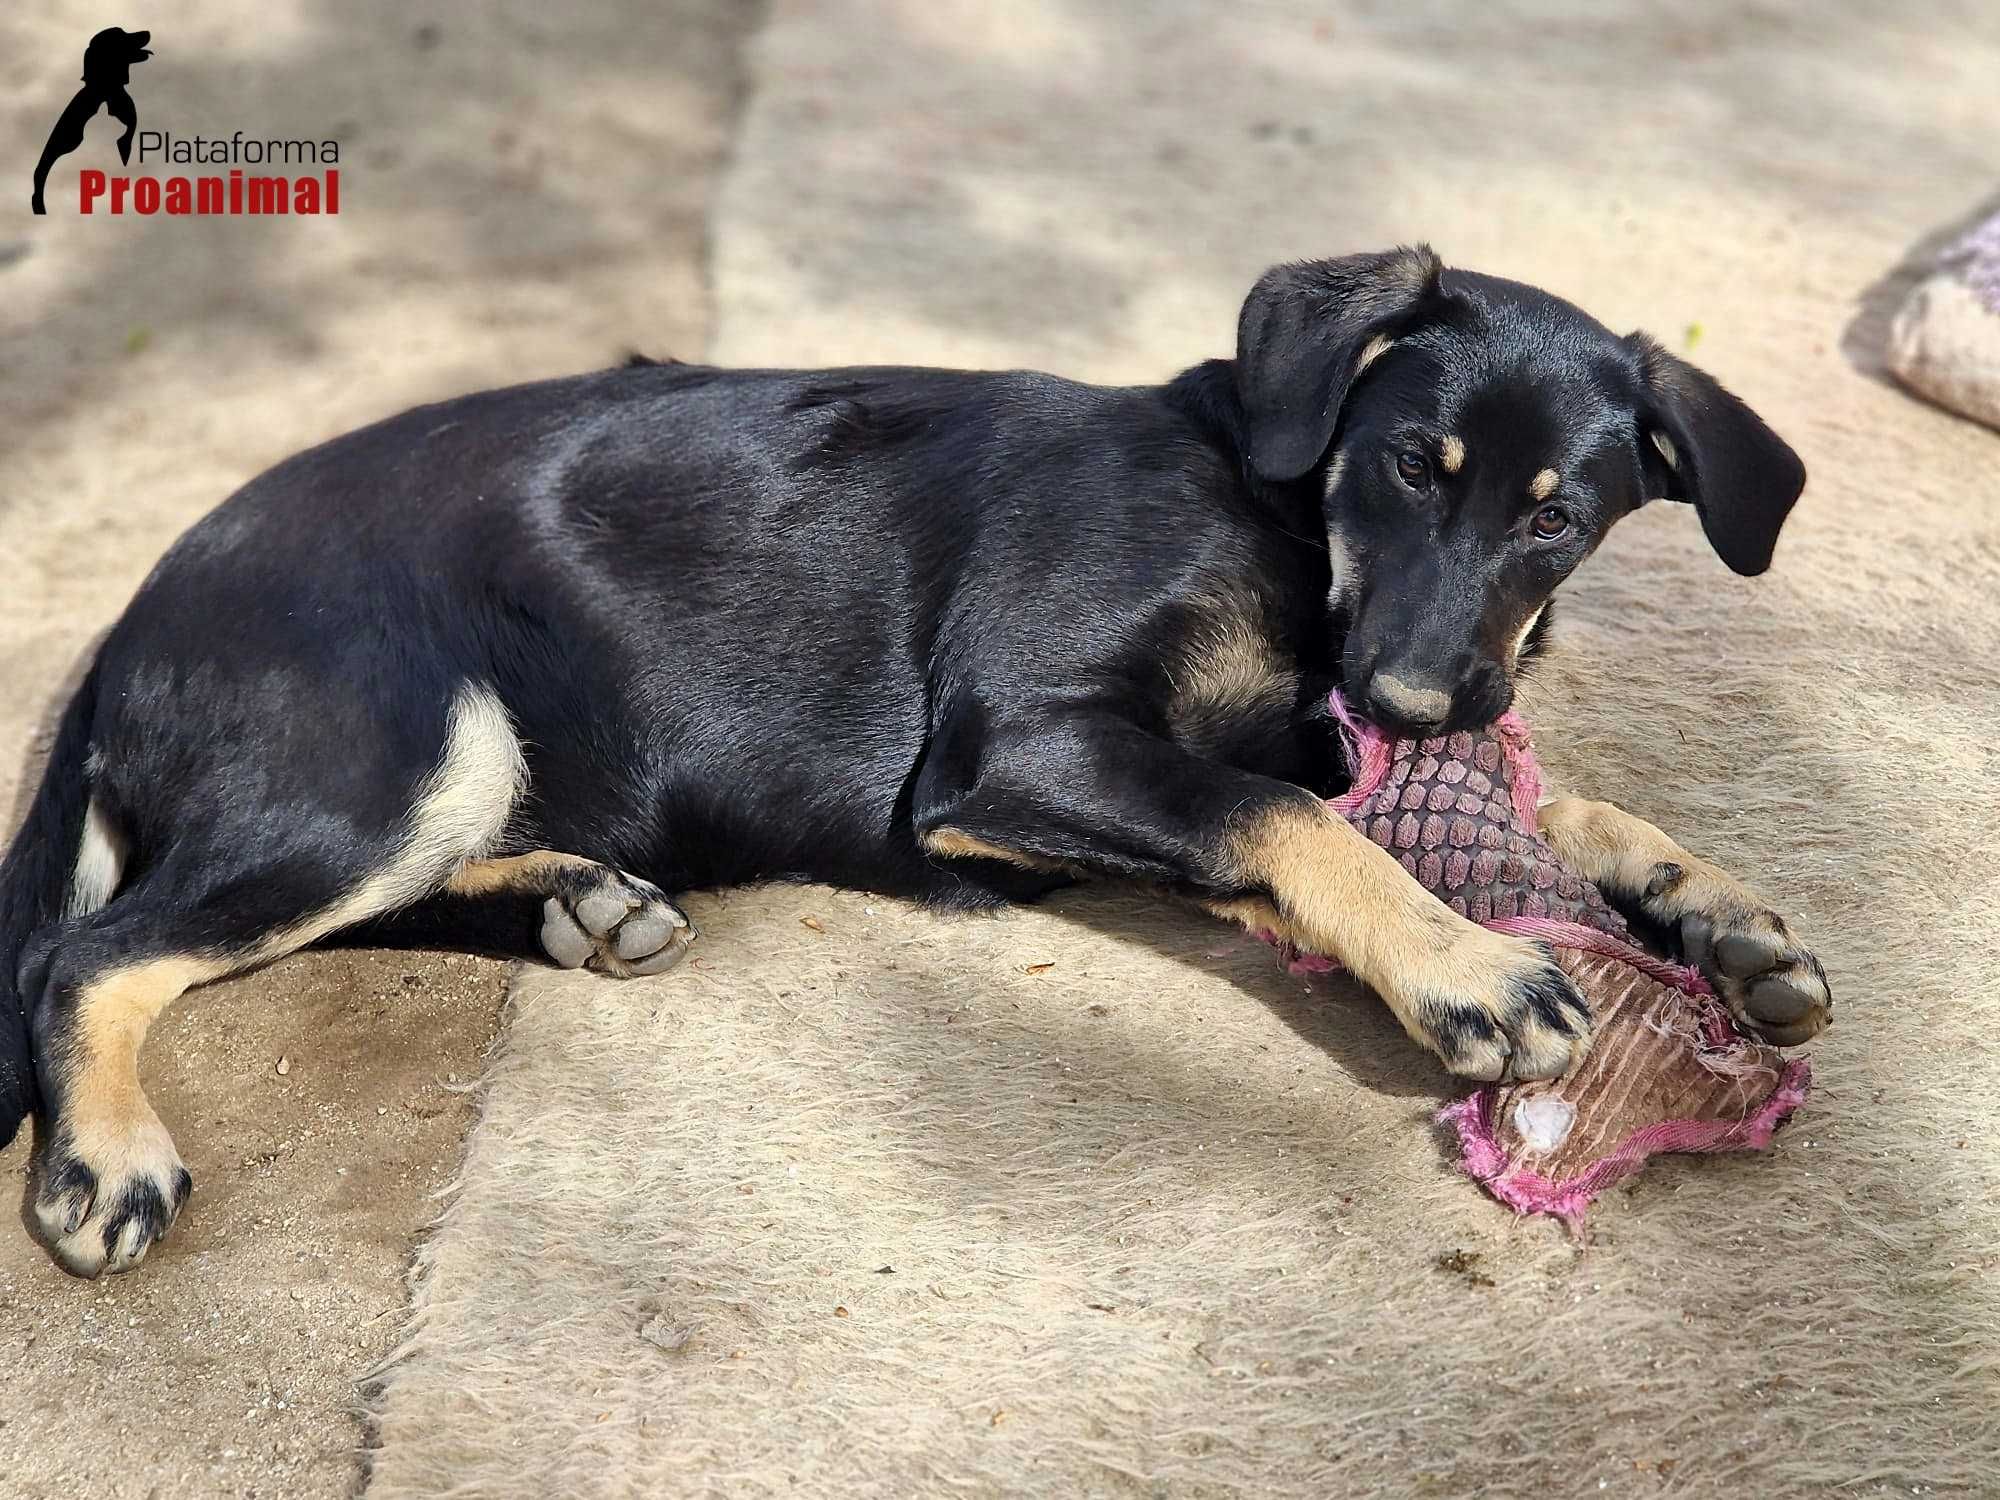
(1668, 1071)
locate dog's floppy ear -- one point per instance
(1302, 339)
(1703, 446)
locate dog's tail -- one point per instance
(35, 881)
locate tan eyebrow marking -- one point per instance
(1452, 452)
(1544, 484)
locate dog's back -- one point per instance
(727, 597)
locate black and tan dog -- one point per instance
(502, 673)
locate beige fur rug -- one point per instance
(1093, 1199)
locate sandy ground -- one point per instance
(1088, 1200)
(1167, 1220)
(229, 1368)
(523, 196)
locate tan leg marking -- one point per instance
(956, 843)
(459, 814)
(1487, 1004)
(1230, 667)
(101, 1079)
(105, 1123)
(1763, 974)
(1253, 912)
(535, 871)
(1612, 848)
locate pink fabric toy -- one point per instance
(1668, 1071)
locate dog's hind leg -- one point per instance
(573, 911)
(252, 858)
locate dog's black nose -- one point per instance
(1412, 704)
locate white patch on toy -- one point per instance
(1544, 1122)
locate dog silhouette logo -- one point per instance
(107, 68)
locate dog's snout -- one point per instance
(1410, 703)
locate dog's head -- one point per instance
(109, 57)
(1474, 439)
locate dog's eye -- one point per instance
(1414, 468)
(1550, 522)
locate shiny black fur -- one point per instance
(757, 625)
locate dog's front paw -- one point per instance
(615, 923)
(1497, 1009)
(1770, 982)
(108, 1193)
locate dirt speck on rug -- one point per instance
(1090, 1200)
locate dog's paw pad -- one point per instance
(1740, 955)
(646, 933)
(603, 909)
(1779, 1002)
(563, 937)
(1772, 985)
(617, 924)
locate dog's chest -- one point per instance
(1237, 697)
